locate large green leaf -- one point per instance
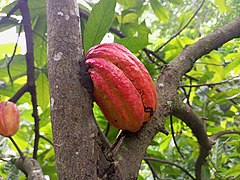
(134, 44)
(159, 10)
(40, 41)
(98, 23)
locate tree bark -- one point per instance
(73, 125)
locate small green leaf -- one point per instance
(129, 18)
(98, 23)
(42, 91)
(222, 6)
(176, 1)
(159, 10)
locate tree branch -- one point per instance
(171, 163)
(175, 35)
(167, 85)
(30, 69)
(213, 84)
(221, 133)
(187, 115)
(30, 167)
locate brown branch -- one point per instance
(30, 167)
(174, 140)
(175, 35)
(187, 115)
(183, 63)
(212, 84)
(221, 133)
(30, 69)
(171, 163)
(154, 172)
(16, 146)
(46, 139)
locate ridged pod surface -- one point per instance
(9, 118)
(133, 69)
(116, 95)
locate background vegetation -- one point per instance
(156, 31)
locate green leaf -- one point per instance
(128, 4)
(40, 41)
(42, 91)
(134, 44)
(233, 172)
(9, 23)
(129, 18)
(222, 6)
(98, 23)
(159, 10)
(176, 1)
(205, 172)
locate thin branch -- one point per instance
(18, 149)
(46, 139)
(13, 54)
(212, 84)
(11, 12)
(107, 129)
(171, 163)
(175, 35)
(154, 172)
(155, 55)
(173, 136)
(19, 94)
(221, 133)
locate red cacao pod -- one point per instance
(116, 95)
(133, 69)
(9, 118)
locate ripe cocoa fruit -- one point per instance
(9, 118)
(120, 67)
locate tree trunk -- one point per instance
(73, 125)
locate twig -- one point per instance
(154, 172)
(221, 133)
(13, 54)
(107, 129)
(171, 163)
(15, 144)
(46, 139)
(11, 12)
(173, 136)
(175, 35)
(212, 84)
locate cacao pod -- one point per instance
(116, 95)
(9, 118)
(133, 69)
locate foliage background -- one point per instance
(144, 24)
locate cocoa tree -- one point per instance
(83, 150)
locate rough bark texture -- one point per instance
(74, 129)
